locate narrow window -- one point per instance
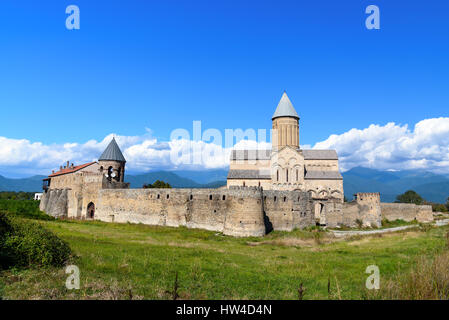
(191, 197)
(224, 197)
(275, 199)
(286, 174)
(244, 183)
(259, 183)
(285, 199)
(158, 196)
(277, 175)
(297, 175)
(168, 196)
(210, 197)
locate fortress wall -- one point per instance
(287, 210)
(406, 212)
(365, 208)
(235, 212)
(55, 203)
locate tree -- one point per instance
(409, 196)
(157, 184)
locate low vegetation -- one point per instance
(157, 184)
(133, 261)
(11, 195)
(24, 243)
(23, 208)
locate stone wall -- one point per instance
(287, 210)
(406, 212)
(236, 212)
(55, 203)
(365, 209)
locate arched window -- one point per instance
(244, 184)
(277, 175)
(110, 171)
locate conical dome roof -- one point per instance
(112, 153)
(285, 108)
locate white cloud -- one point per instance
(388, 147)
(394, 147)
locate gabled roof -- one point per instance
(285, 108)
(250, 154)
(320, 154)
(323, 175)
(71, 169)
(248, 174)
(112, 153)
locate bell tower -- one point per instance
(285, 125)
(112, 162)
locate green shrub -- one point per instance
(24, 243)
(23, 208)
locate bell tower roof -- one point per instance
(285, 108)
(112, 153)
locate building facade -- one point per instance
(287, 166)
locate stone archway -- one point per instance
(90, 210)
(319, 214)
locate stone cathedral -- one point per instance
(287, 166)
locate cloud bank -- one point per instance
(394, 147)
(388, 147)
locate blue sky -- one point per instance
(163, 64)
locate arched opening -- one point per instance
(110, 171)
(90, 210)
(319, 214)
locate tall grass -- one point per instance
(427, 280)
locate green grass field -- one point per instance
(123, 261)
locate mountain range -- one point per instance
(432, 187)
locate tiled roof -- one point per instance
(285, 108)
(326, 175)
(70, 169)
(250, 154)
(248, 174)
(320, 154)
(112, 152)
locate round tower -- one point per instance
(112, 162)
(285, 125)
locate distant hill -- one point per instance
(175, 179)
(31, 184)
(430, 186)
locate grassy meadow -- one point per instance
(130, 261)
